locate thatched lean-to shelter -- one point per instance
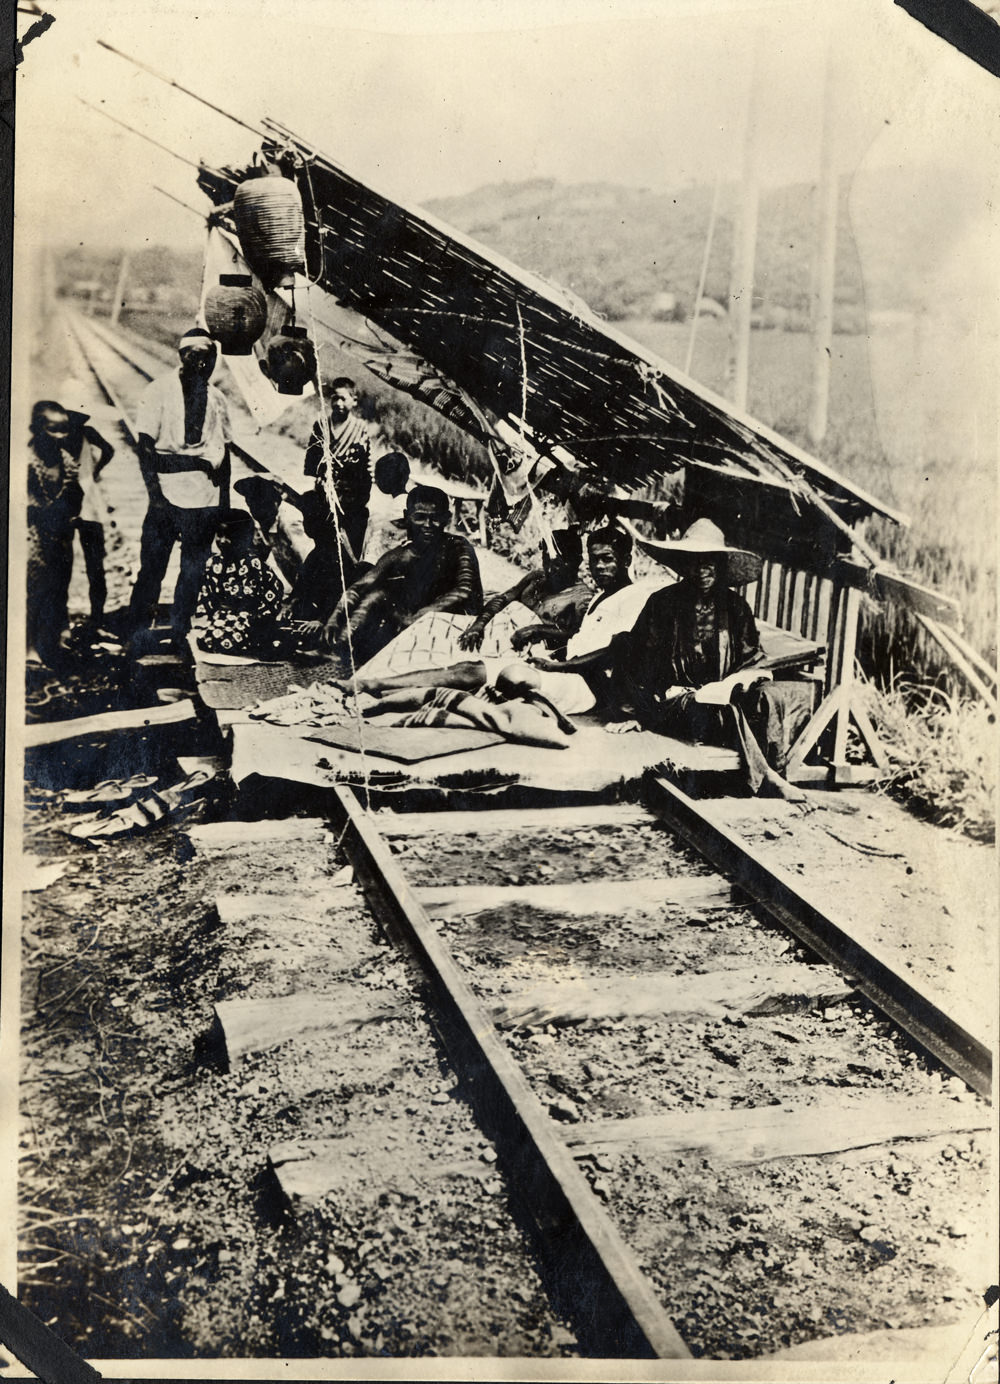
(549, 385)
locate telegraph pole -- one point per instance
(118, 301)
(745, 246)
(826, 262)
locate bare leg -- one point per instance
(468, 676)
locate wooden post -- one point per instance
(850, 601)
(826, 263)
(699, 292)
(118, 302)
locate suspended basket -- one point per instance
(291, 360)
(271, 228)
(235, 313)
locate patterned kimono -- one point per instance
(239, 607)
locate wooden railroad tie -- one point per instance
(828, 1125)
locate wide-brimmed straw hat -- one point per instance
(703, 539)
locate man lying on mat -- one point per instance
(432, 571)
(612, 607)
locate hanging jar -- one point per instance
(291, 360)
(271, 227)
(235, 313)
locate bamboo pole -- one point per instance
(941, 637)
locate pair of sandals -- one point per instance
(109, 793)
(144, 812)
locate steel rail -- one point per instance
(781, 896)
(595, 1279)
(254, 463)
(102, 383)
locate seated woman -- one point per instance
(319, 583)
(554, 593)
(673, 672)
(240, 603)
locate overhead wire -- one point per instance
(162, 77)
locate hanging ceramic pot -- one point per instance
(271, 227)
(235, 313)
(291, 360)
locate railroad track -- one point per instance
(121, 368)
(622, 1036)
(628, 1026)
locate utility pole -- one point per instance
(826, 262)
(119, 299)
(699, 292)
(745, 246)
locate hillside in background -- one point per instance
(618, 248)
(621, 249)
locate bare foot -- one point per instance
(774, 786)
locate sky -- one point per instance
(432, 98)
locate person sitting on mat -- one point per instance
(240, 603)
(512, 706)
(432, 571)
(673, 672)
(386, 506)
(613, 607)
(320, 580)
(554, 592)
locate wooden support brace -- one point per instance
(949, 644)
(107, 723)
(815, 727)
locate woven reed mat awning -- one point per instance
(525, 350)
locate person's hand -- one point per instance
(622, 727)
(471, 638)
(308, 630)
(329, 635)
(521, 638)
(547, 665)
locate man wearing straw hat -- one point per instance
(691, 665)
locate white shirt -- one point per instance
(614, 614)
(160, 415)
(383, 531)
